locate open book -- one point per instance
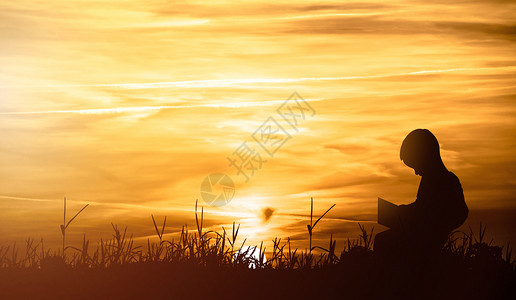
(389, 214)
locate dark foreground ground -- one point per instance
(355, 279)
(200, 266)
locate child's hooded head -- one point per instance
(420, 151)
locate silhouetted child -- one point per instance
(438, 210)
(439, 207)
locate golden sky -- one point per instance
(128, 105)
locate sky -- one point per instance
(129, 105)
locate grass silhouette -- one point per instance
(204, 263)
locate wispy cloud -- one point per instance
(215, 83)
(170, 23)
(349, 14)
(110, 204)
(118, 110)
